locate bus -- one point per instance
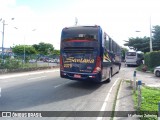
(88, 54)
(134, 58)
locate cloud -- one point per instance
(119, 18)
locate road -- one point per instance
(46, 91)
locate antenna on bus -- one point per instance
(76, 20)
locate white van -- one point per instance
(134, 58)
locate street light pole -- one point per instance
(3, 22)
(151, 49)
(24, 49)
(76, 21)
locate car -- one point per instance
(46, 60)
(51, 60)
(32, 61)
(157, 71)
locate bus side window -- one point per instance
(107, 42)
(112, 56)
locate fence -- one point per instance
(28, 61)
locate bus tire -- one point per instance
(157, 73)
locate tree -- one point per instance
(44, 48)
(143, 44)
(138, 44)
(124, 50)
(56, 52)
(19, 49)
(156, 38)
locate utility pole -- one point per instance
(3, 22)
(151, 49)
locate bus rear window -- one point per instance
(83, 33)
(131, 53)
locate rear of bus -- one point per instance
(80, 53)
(131, 58)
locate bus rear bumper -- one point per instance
(81, 76)
(130, 63)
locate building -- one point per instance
(7, 51)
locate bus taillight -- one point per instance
(61, 65)
(98, 65)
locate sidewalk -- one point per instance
(149, 79)
(12, 75)
(124, 100)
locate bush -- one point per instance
(10, 64)
(142, 67)
(152, 59)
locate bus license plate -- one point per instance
(77, 76)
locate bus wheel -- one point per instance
(157, 73)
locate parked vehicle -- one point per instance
(46, 60)
(157, 71)
(32, 61)
(51, 60)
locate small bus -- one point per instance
(134, 58)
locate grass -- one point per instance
(128, 81)
(150, 100)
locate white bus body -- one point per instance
(134, 58)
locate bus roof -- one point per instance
(140, 52)
(76, 26)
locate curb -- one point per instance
(21, 70)
(124, 100)
(115, 99)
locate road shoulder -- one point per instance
(124, 100)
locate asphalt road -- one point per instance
(46, 91)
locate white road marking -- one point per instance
(106, 99)
(61, 84)
(36, 78)
(25, 74)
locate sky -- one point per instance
(38, 21)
